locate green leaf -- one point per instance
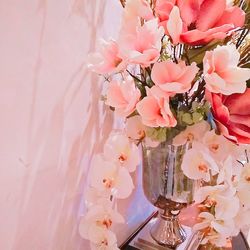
(197, 54)
(197, 117)
(187, 118)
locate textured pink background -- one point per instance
(52, 121)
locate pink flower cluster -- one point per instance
(140, 43)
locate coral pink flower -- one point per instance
(107, 60)
(232, 115)
(142, 46)
(173, 78)
(155, 111)
(123, 96)
(221, 73)
(208, 20)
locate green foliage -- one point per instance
(197, 113)
(157, 134)
(163, 134)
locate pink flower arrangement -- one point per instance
(178, 73)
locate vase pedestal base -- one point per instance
(144, 240)
(167, 231)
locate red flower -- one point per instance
(232, 115)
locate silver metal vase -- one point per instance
(167, 188)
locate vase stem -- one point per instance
(167, 230)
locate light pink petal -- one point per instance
(175, 87)
(164, 72)
(236, 75)
(189, 74)
(214, 83)
(114, 94)
(174, 25)
(148, 107)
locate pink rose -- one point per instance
(208, 20)
(221, 73)
(173, 78)
(143, 45)
(107, 60)
(232, 115)
(123, 96)
(154, 109)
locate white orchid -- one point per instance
(242, 218)
(229, 172)
(192, 133)
(108, 177)
(100, 215)
(121, 151)
(218, 146)
(222, 197)
(198, 164)
(243, 187)
(102, 239)
(217, 231)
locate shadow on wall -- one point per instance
(62, 123)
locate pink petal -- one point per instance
(148, 107)
(189, 74)
(165, 72)
(210, 13)
(233, 15)
(214, 83)
(197, 37)
(114, 95)
(224, 131)
(236, 75)
(189, 10)
(241, 132)
(241, 119)
(239, 103)
(163, 9)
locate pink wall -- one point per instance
(52, 121)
